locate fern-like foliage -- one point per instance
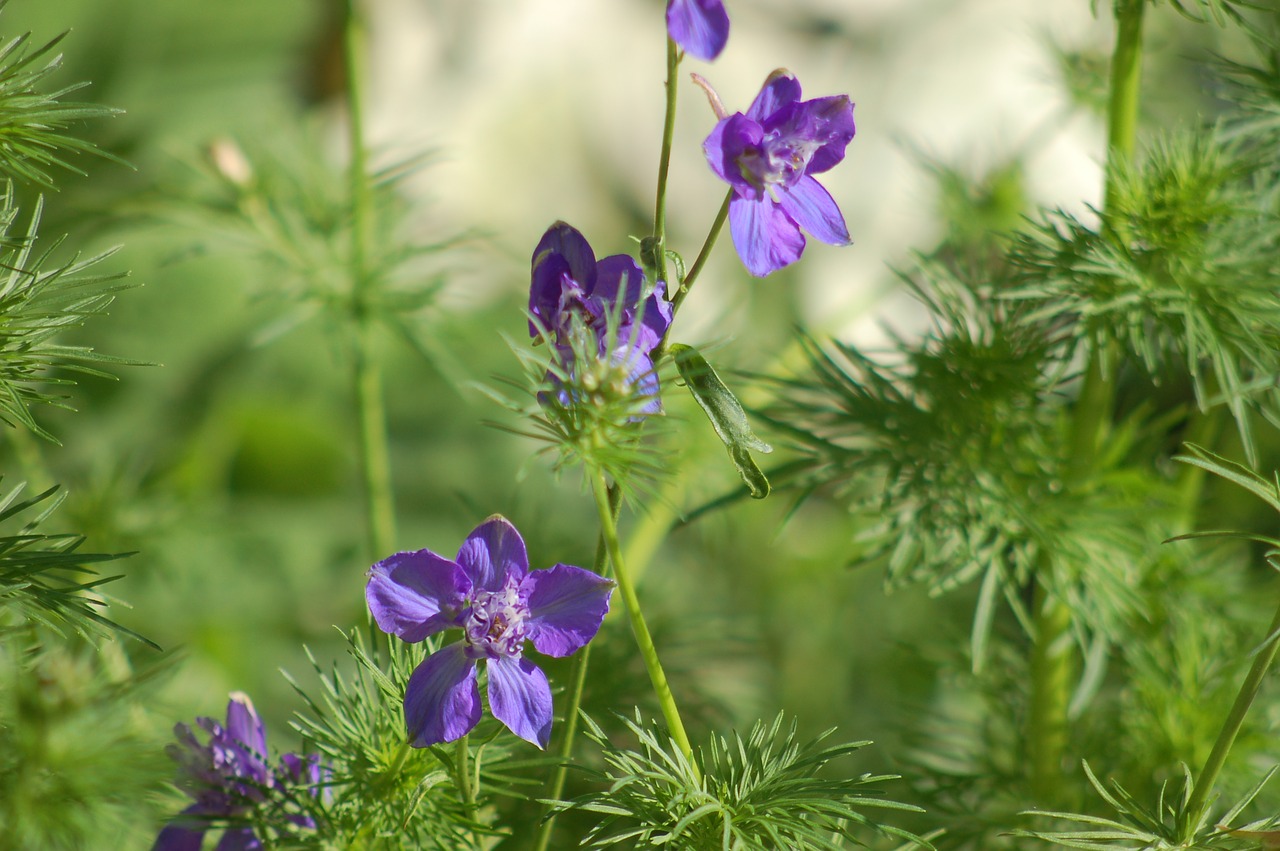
(44, 579)
(1163, 827)
(759, 793)
(32, 122)
(39, 298)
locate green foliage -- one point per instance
(1178, 273)
(32, 122)
(43, 578)
(1160, 828)
(758, 793)
(38, 300)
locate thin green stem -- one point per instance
(644, 640)
(462, 753)
(1126, 79)
(367, 372)
(577, 681)
(707, 244)
(664, 165)
(1230, 729)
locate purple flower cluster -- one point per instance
(769, 156)
(228, 777)
(490, 594)
(597, 308)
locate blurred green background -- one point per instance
(230, 464)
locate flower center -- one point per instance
(496, 624)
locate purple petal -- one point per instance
(442, 700)
(182, 834)
(779, 90)
(545, 292)
(829, 121)
(766, 239)
(812, 207)
(493, 551)
(239, 839)
(725, 147)
(245, 727)
(614, 273)
(520, 697)
(566, 607)
(566, 241)
(655, 318)
(413, 595)
(700, 27)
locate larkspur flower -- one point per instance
(700, 27)
(498, 603)
(228, 777)
(597, 308)
(769, 157)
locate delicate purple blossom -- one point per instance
(498, 603)
(228, 777)
(700, 27)
(597, 308)
(769, 157)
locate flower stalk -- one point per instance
(644, 640)
(577, 681)
(664, 165)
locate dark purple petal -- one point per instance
(613, 273)
(520, 697)
(413, 595)
(812, 207)
(183, 833)
(732, 139)
(779, 90)
(566, 607)
(246, 728)
(442, 700)
(493, 551)
(239, 839)
(546, 291)
(566, 241)
(700, 27)
(766, 239)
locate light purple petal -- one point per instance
(239, 839)
(566, 607)
(700, 27)
(812, 207)
(442, 700)
(828, 121)
(520, 697)
(413, 595)
(246, 728)
(493, 551)
(732, 139)
(182, 834)
(566, 241)
(765, 238)
(779, 90)
(655, 318)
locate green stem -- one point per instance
(1126, 78)
(578, 679)
(695, 270)
(1230, 729)
(1051, 670)
(638, 626)
(374, 453)
(461, 764)
(664, 166)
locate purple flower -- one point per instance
(490, 593)
(700, 27)
(769, 157)
(228, 777)
(597, 307)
